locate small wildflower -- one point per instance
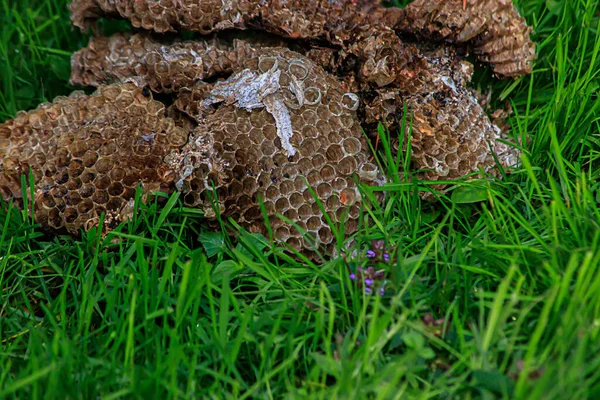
(371, 254)
(369, 282)
(378, 244)
(353, 276)
(368, 291)
(386, 257)
(381, 291)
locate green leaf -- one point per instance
(493, 381)
(229, 267)
(469, 194)
(414, 340)
(213, 243)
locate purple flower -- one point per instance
(353, 276)
(381, 291)
(371, 254)
(386, 257)
(369, 282)
(368, 291)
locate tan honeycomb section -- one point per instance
(165, 68)
(88, 154)
(236, 151)
(499, 35)
(495, 29)
(452, 136)
(239, 152)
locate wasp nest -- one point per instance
(498, 33)
(253, 127)
(88, 154)
(494, 28)
(279, 131)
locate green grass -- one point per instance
(164, 308)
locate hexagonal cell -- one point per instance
(333, 202)
(336, 108)
(87, 191)
(327, 173)
(55, 220)
(291, 214)
(47, 200)
(131, 179)
(347, 165)
(249, 185)
(334, 136)
(334, 153)
(191, 198)
(350, 101)
(305, 211)
(117, 174)
(272, 192)
(339, 184)
(296, 243)
(235, 189)
(313, 223)
(74, 198)
(347, 121)
(312, 95)
(282, 204)
(296, 200)
(309, 131)
(75, 168)
(324, 190)
(316, 208)
(269, 132)
(298, 68)
(102, 182)
(351, 145)
(282, 233)
(305, 165)
(73, 184)
(85, 205)
(115, 189)
(268, 148)
(105, 165)
(351, 225)
(78, 148)
(177, 136)
(63, 157)
(253, 213)
(267, 63)
(61, 178)
(310, 117)
(100, 197)
(313, 178)
(243, 124)
(354, 211)
(325, 235)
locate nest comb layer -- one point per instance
(299, 150)
(452, 136)
(499, 35)
(88, 154)
(288, 136)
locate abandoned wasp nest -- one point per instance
(245, 122)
